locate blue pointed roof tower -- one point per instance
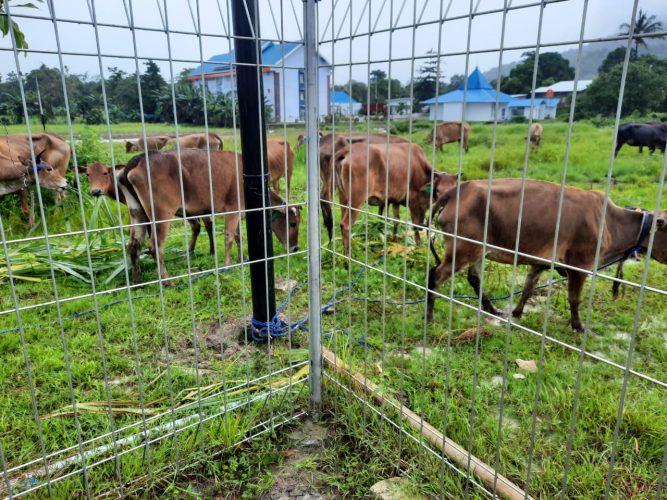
(479, 90)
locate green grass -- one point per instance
(391, 332)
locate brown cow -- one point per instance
(577, 238)
(56, 153)
(280, 154)
(154, 143)
(165, 182)
(100, 182)
(536, 130)
(331, 143)
(198, 141)
(18, 172)
(449, 132)
(383, 163)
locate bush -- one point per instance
(91, 148)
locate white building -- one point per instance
(542, 108)
(562, 89)
(283, 78)
(342, 104)
(400, 106)
(478, 100)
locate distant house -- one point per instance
(478, 102)
(400, 106)
(562, 89)
(342, 104)
(542, 108)
(282, 76)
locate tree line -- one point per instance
(85, 97)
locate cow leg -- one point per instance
(397, 216)
(619, 145)
(616, 285)
(575, 283)
(208, 224)
(25, 206)
(417, 217)
(651, 149)
(474, 272)
(196, 229)
(528, 288)
(161, 232)
(349, 216)
(466, 254)
(137, 236)
(231, 234)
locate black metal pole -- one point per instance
(250, 93)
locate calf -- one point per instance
(281, 159)
(153, 143)
(167, 199)
(449, 132)
(331, 143)
(198, 141)
(536, 130)
(577, 238)
(55, 152)
(398, 174)
(640, 135)
(101, 183)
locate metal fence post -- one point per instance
(255, 169)
(312, 157)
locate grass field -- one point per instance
(167, 346)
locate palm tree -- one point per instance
(644, 24)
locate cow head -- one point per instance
(100, 179)
(659, 251)
(285, 220)
(47, 176)
(132, 147)
(430, 192)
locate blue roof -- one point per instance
(341, 97)
(525, 103)
(479, 90)
(272, 54)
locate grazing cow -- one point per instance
(154, 143)
(167, 198)
(449, 132)
(536, 130)
(331, 143)
(56, 153)
(17, 173)
(100, 182)
(281, 158)
(640, 135)
(624, 230)
(362, 171)
(198, 141)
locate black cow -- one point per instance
(640, 135)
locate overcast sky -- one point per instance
(561, 25)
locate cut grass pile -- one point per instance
(457, 386)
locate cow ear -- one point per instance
(119, 167)
(81, 169)
(428, 187)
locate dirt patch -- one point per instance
(298, 476)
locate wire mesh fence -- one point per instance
(129, 352)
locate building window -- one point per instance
(301, 78)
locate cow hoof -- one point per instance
(578, 327)
(517, 313)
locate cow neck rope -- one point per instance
(637, 247)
